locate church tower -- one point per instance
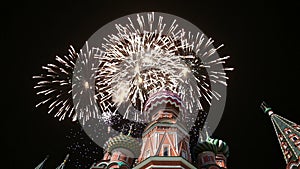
(165, 139)
(288, 134)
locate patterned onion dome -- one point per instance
(118, 163)
(123, 141)
(214, 145)
(162, 100)
(108, 164)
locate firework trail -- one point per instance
(62, 88)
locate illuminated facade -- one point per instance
(165, 142)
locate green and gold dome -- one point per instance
(216, 146)
(125, 143)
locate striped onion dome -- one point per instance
(214, 145)
(164, 100)
(123, 142)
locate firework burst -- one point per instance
(143, 57)
(66, 91)
(83, 84)
(55, 85)
(206, 69)
(141, 60)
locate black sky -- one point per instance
(261, 38)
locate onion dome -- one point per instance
(164, 100)
(118, 163)
(104, 164)
(214, 145)
(124, 143)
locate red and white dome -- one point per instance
(166, 101)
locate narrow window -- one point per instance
(166, 150)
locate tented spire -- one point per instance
(288, 134)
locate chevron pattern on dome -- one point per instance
(162, 98)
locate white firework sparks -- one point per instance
(55, 85)
(142, 60)
(64, 90)
(143, 57)
(137, 63)
(199, 52)
(83, 84)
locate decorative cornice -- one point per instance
(162, 158)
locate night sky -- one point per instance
(261, 39)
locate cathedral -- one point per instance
(165, 142)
